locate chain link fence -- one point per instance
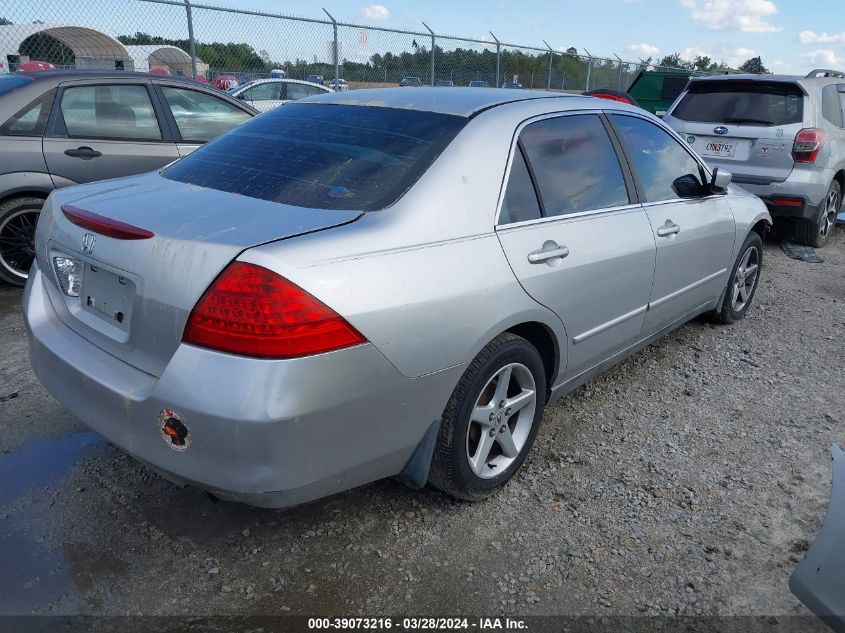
(228, 46)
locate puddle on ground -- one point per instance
(42, 462)
(35, 575)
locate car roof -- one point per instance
(285, 80)
(47, 75)
(457, 101)
(775, 78)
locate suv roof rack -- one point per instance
(824, 72)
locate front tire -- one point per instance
(18, 219)
(817, 232)
(743, 281)
(491, 420)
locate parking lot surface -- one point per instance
(689, 480)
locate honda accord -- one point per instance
(381, 283)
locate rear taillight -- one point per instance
(808, 144)
(252, 311)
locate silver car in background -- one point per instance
(378, 283)
(63, 127)
(266, 94)
(782, 137)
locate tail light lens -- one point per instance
(69, 274)
(808, 144)
(252, 311)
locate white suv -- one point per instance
(782, 138)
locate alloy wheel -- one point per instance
(831, 210)
(501, 420)
(745, 278)
(17, 241)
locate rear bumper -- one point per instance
(791, 207)
(266, 432)
(805, 185)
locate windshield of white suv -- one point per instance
(742, 102)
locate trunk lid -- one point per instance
(747, 127)
(136, 295)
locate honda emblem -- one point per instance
(88, 243)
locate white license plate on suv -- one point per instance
(719, 148)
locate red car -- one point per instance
(225, 82)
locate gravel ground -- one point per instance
(688, 480)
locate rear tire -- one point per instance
(817, 232)
(491, 420)
(18, 219)
(742, 284)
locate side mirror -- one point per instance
(242, 96)
(720, 180)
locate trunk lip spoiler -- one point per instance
(103, 225)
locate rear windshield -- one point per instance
(322, 156)
(742, 102)
(10, 82)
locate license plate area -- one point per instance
(720, 147)
(108, 296)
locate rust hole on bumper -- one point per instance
(174, 431)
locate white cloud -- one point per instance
(643, 50)
(780, 67)
(374, 13)
(692, 52)
(749, 16)
(811, 37)
(733, 56)
(824, 57)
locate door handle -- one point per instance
(669, 228)
(549, 251)
(84, 152)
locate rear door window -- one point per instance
(831, 108)
(118, 111)
(300, 91)
(840, 89)
(764, 103)
(665, 169)
(30, 120)
(574, 163)
(263, 92)
(323, 156)
(520, 201)
(200, 116)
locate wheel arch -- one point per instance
(21, 184)
(24, 193)
(762, 227)
(545, 342)
(839, 177)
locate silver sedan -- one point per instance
(379, 283)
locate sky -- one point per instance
(792, 36)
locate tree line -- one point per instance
(568, 68)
